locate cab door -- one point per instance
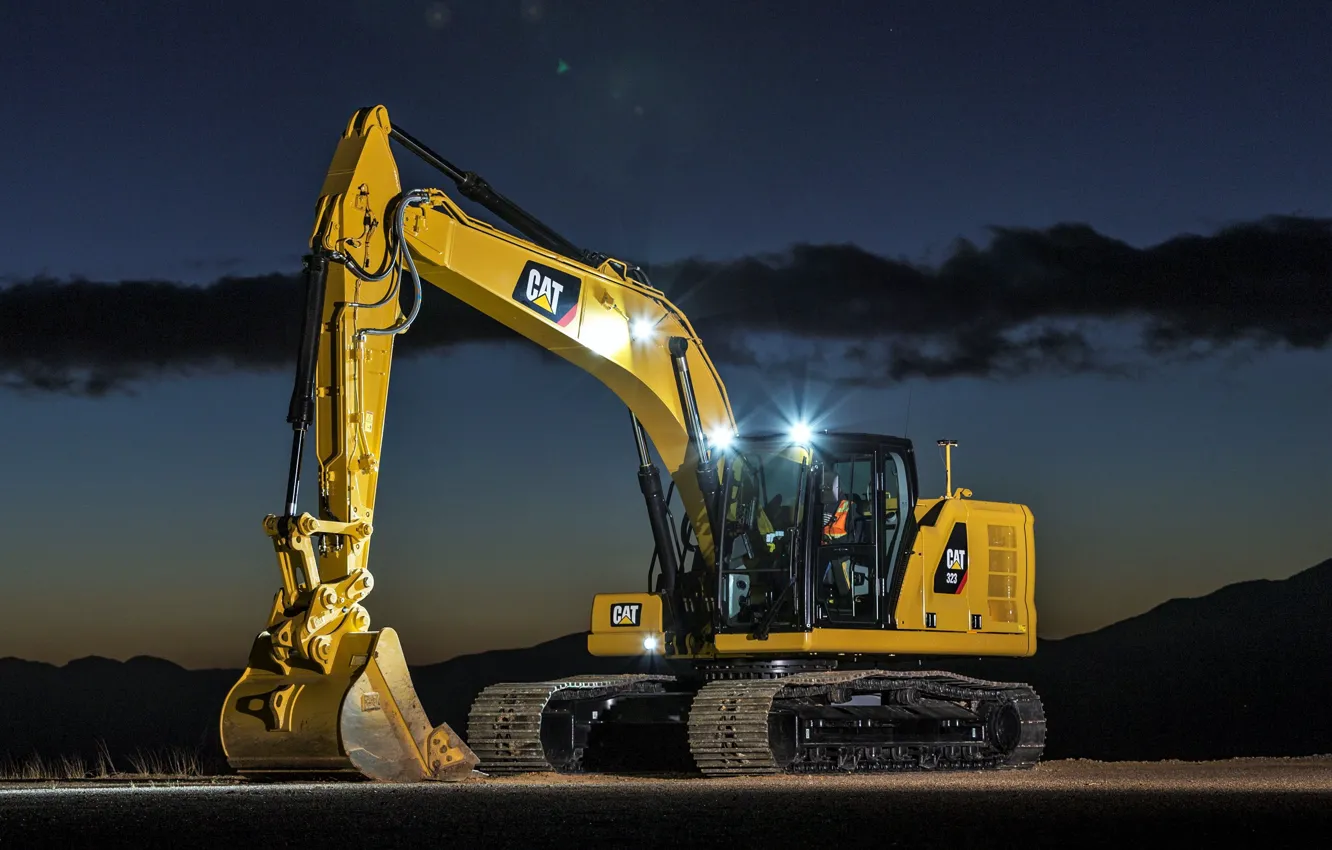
(845, 567)
(894, 510)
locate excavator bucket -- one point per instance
(361, 719)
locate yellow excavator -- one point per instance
(806, 567)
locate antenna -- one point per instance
(947, 446)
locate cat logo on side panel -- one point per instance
(950, 576)
(626, 613)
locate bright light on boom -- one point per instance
(642, 329)
(720, 439)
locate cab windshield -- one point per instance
(764, 507)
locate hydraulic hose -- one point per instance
(416, 197)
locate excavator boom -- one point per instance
(323, 692)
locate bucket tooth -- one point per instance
(361, 718)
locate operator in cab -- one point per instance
(836, 522)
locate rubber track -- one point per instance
(504, 724)
(728, 722)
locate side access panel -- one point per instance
(971, 569)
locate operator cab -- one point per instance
(813, 533)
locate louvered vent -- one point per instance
(1003, 574)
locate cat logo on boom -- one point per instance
(548, 292)
(626, 613)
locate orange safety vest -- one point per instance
(835, 528)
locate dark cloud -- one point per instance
(1030, 301)
(89, 338)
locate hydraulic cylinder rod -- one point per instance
(707, 469)
(649, 482)
(474, 187)
(300, 412)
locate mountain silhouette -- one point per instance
(1238, 672)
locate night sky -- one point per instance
(1114, 167)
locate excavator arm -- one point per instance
(322, 692)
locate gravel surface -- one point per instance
(1090, 803)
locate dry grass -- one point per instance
(37, 769)
(170, 763)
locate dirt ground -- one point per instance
(1313, 773)
(1092, 803)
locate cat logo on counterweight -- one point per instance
(950, 576)
(626, 613)
(548, 292)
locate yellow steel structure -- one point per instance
(323, 692)
(297, 708)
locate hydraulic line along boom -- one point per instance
(322, 693)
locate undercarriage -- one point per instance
(736, 720)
